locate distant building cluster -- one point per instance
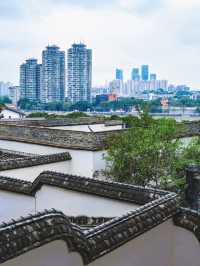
(67, 76)
(141, 83)
(47, 81)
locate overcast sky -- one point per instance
(122, 33)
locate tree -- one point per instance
(26, 104)
(5, 99)
(146, 153)
(82, 106)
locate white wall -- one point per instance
(165, 245)
(98, 160)
(75, 203)
(15, 205)
(71, 203)
(186, 248)
(30, 148)
(30, 173)
(7, 114)
(83, 163)
(52, 254)
(153, 248)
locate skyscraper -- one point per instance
(53, 74)
(153, 77)
(29, 80)
(38, 81)
(119, 74)
(145, 72)
(79, 73)
(135, 74)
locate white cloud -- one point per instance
(164, 34)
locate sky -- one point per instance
(122, 33)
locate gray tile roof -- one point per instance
(113, 190)
(28, 233)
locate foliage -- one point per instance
(4, 100)
(1, 107)
(37, 115)
(83, 106)
(145, 153)
(76, 115)
(149, 153)
(27, 104)
(55, 116)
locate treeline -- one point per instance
(125, 104)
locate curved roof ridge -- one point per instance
(25, 234)
(28, 161)
(113, 190)
(188, 219)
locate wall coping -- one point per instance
(113, 190)
(33, 160)
(188, 219)
(25, 234)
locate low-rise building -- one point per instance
(8, 112)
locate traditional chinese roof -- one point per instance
(31, 232)
(188, 219)
(13, 160)
(113, 190)
(14, 110)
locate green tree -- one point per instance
(146, 153)
(4, 100)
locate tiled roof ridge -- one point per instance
(14, 110)
(188, 219)
(108, 189)
(17, 152)
(32, 232)
(114, 233)
(33, 160)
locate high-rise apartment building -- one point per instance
(135, 74)
(38, 81)
(53, 74)
(30, 80)
(145, 72)
(79, 73)
(119, 74)
(14, 94)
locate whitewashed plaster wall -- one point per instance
(165, 245)
(7, 114)
(29, 148)
(71, 203)
(30, 173)
(15, 205)
(186, 248)
(153, 248)
(83, 163)
(75, 203)
(52, 254)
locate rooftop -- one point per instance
(14, 160)
(96, 236)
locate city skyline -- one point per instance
(163, 36)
